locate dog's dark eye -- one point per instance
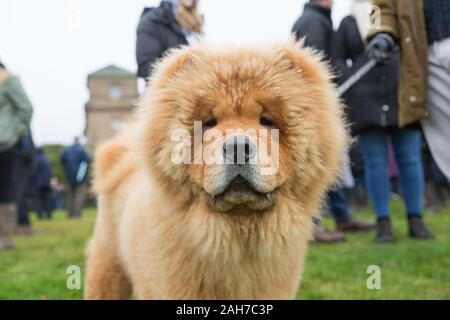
(210, 123)
(266, 122)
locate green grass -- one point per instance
(410, 269)
(36, 269)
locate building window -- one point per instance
(115, 92)
(116, 123)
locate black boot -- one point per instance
(417, 228)
(384, 231)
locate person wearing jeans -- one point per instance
(407, 150)
(421, 29)
(374, 114)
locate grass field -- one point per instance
(410, 269)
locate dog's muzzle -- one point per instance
(239, 150)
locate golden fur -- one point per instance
(155, 234)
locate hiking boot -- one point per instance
(7, 225)
(417, 228)
(353, 225)
(384, 231)
(323, 236)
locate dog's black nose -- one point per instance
(238, 150)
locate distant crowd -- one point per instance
(26, 176)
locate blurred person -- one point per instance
(75, 160)
(172, 24)
(437, 186)
(57, 194)
(316, 27)
(422, 31)
(374, 115)
(15, 117)
(42, 173)
(23, 177)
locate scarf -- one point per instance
(189, 19)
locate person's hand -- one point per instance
(381, 47)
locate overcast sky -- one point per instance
(53, 44)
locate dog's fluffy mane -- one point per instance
(226, 243)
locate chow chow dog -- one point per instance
(173, 227)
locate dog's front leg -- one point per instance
(105, 277)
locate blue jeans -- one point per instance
(407, 150)
(338, 204)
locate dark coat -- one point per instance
(71, 159)
(157, 32)
(42, 170)
(316, 27)
(373, 101)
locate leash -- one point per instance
(356, 76)
(369, 65)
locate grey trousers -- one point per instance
(76, 199)
(8, 223)
(437, 125)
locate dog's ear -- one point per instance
(306, 61)
(175, 61)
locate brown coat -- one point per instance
(405, 21)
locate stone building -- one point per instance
(113, 95)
